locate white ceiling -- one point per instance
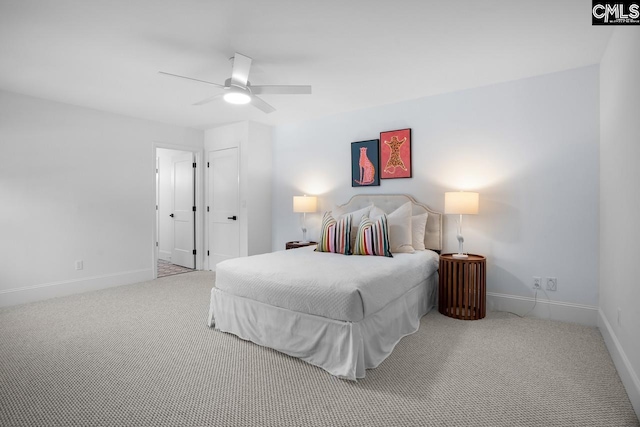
(106, 54)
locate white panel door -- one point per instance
(224, 229)
(157, 207)
(183, 215)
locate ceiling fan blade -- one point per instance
(262, 105)
(211, 98)
(281, 89)
(191, 78)
(241, 67)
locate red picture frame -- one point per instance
(395, 154)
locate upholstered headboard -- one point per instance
(390, 202)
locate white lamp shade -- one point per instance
(305, 203)
(461, 202)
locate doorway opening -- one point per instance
(175, 212)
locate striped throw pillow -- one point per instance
(335, 236)
(373, 238)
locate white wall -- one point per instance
(257, 163)
(620, 204)
(76, 184)
(530, 147)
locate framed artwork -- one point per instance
(395, 154)
(365, 160)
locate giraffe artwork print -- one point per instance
(365, 161)
(395, 154)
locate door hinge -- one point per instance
(207, 164)
(156, 207)
(207, 208)
(194, 208)
(194, 251)
(207, 253)
(194, 165)
(156, 170)
(156, 243)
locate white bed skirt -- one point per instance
(344, 349)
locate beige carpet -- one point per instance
(142, 355)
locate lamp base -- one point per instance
(461, 256)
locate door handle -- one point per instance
(171, 215)
(232, 217)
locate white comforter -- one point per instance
(340, 287)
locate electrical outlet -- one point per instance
(79, 265)
(537, 283)
(552, 284)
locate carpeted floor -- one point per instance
(142, 355)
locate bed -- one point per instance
(344, 314)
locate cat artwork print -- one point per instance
(367, 170)
(365, 160)
(395, 154)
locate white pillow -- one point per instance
(418, 228)
(340, 212)
(399, 227)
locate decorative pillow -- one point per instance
(357, 215)
(399, 227)
(418, 228)
(335, 236)
(373, 238)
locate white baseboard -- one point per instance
(544, 308)
(164, 255)
(628, 376)
(44, 291)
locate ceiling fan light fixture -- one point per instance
(237, 97)
(238, 90)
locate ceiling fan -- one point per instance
(238, 89)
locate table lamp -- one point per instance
(304, 204)
(460, 203)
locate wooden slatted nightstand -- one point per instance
(462, 293)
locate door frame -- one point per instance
(199, 201)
